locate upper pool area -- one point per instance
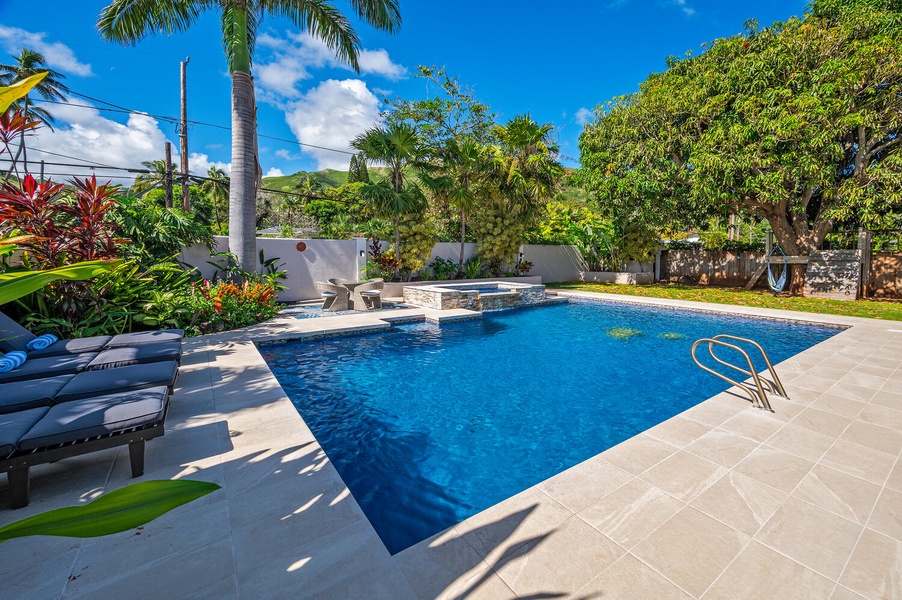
(430, 424)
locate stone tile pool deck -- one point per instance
(721, 501)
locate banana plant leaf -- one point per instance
(120, 510)
(21, 283)
(10, 245)
(10, 94)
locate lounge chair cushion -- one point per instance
(135, 377)
(23, 395)
(91, 417)
(14, 425)
(146, 337)
(49, 367)
(136, 355)
(74, 346)
(12, 335)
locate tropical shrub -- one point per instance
(417, 240)
(225, 305)
(157, 233)
(498, 234)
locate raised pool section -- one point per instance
(489, 295)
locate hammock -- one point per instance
(778, 284)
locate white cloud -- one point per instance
(199, 164)
(331, 115)
(274, 172)
(583, 115)
(83, 135)
(293, 58)
(57, 55)
(377, 62)
(287, 155)
(687, 10)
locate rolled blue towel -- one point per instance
(41, 342)
(12, 360)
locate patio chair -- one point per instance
(368, 295)
(335, 296)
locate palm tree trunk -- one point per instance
(397, 249)
(242, 189)
(463, 240)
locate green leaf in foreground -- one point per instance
(21, 283)
(120, 510)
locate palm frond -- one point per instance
(130, 21)
(381, 14)
(322, 20)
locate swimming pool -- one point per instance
(429, 424)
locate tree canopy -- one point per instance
(798, 123)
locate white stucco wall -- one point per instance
(325, 259)
(554, 263)
(321, 260)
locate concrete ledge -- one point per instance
(617, 277)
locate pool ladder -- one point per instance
(756, 393)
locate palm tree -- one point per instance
(128, 22)
(398, 148)
(216, 186)
(51, 87)
(464, 166)
(147, 181)
(526, 162)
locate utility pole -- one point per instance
(183, 137)
(167, 176)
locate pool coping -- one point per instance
(283, 501)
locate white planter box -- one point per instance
(612, 277)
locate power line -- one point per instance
(174, 121)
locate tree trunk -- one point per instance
(463, 240)
(797, 238)
(242, 189)
(397, 249)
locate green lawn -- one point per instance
(870, 309)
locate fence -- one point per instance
(734, 269)
(886, 275)
(710, 267)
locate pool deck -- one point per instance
(721, 501)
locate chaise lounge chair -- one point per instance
(70, 364)
(15, 337)
(45, 420)
(49, 433)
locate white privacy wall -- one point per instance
(554, 263)
(321, 260)
(325, 259)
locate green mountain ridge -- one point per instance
(329, 178)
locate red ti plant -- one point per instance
(13, 125)
(68, 231)
(33, 208)
(91, 233)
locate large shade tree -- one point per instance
(129, 21)
(798, 123)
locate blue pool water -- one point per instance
(430, 424)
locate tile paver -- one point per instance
(804, 503)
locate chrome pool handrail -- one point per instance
(759, 399)
(776, 386)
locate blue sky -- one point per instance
(554, 60)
